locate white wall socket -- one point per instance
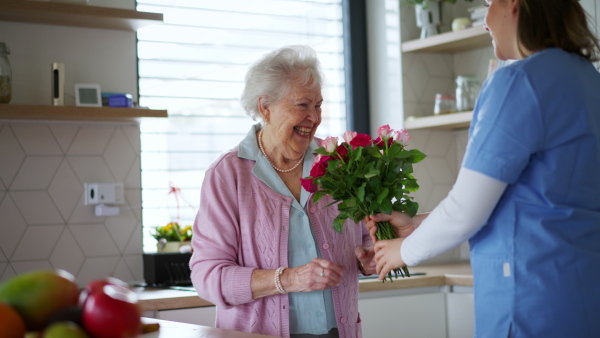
(104, 193)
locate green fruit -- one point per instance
(65, 330)
(38, 295)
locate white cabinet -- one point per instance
(415, 316)
(199, 315)
(460, 314)
(436, 312)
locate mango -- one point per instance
(37, 295)
(65, 330)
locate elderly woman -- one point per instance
(264, 253)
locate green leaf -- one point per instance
(361, 192)
(411, 207)
(382, 194)
(411, 185)
(386, 207)
(338, 223)
(318, 195)
(418, 156)
(321, 151)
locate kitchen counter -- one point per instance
(169, 329)
(454, 274)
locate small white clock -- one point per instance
(88, 95)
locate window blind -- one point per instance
(194, 65)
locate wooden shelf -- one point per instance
(62, 14)
(451, 42)
(73, 113)
(445, 121)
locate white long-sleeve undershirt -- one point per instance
(459, 216)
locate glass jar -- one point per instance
(5, 75)
(444, 104)
(467, 90)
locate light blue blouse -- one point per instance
(310, 312)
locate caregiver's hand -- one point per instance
(387, 256)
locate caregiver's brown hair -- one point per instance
(556, 23)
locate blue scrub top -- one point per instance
(536, 263)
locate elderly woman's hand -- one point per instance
(319, 274)
(366, 261)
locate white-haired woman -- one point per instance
(264, 253)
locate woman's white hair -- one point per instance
(271, 76)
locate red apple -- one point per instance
(97, 284)
(112, 312)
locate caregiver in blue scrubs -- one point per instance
(528, 193)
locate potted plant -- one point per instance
(429, 15)
(172, 236)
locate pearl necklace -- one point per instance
(262, 150)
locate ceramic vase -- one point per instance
(429, 17)
(166, 247)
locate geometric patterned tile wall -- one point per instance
(44, 223)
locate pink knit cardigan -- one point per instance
(243, 225)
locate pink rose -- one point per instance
(361, 140)
(349, 135)
(402, 137)
(318, 169)
(385, 132)
(329, 143)
(309, 185)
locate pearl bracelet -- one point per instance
(278, 273)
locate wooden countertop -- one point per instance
(169, 329)
(458, 274)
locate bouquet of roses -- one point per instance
(366, 176)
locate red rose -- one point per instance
(308, 184)
(379, 142)
(361, 140)
(342, 151)
(318, 169)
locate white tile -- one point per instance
(438, 143)
(11, 156)
(135, 245)
(91, 140)
(119, 155)
(121, 227)
(30, 266)
(7, 274)
(91, 169)
(84, 213)
(37, 207)
(2, 258)
(133, 135)
(94, 240)
(65, 189)
(438, 65)
(136, 265)
(96, 268)
(12, 226)
(123, 273)
(133, 198)
(134, 177)
(438, 193)
(66, 254)
(415, 76)
(37, 242)
(2, 268)
(64, 134)
(37, 140)
(36, 173)
(2, 188)
(437, 86)
(439, 171)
